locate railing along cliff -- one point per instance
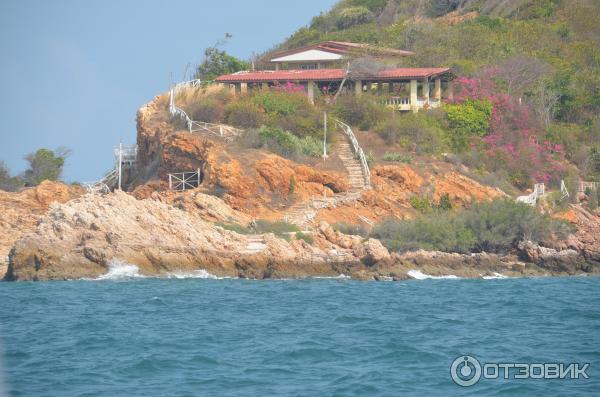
(221, 130)
(357, 150)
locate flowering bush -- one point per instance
(513, 140)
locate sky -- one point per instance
(75, 72)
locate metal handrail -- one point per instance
(217, 129)
(357, 149)
(101, 186)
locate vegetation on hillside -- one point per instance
(486, 227)
(527, 103)
(44, 164)
(529, 71)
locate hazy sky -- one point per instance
(75, 72)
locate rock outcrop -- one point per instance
(82, 238)
(21, 211)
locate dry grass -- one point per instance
(187, 97)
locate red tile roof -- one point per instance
(326, 75)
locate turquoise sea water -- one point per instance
(319, 337)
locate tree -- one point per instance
(8, 182)
(357, 69)
(544, 100)
(521, 72)
(217, 63)
(45, 164)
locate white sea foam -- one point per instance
(200, 273)
(118, 270)
(341, 276)
(495, 276)
(418, 275)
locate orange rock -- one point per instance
(462, 190)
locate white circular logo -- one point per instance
(465, 371)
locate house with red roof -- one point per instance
(351, 68)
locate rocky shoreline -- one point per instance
(85, 236)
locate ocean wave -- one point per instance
(119, 270)
(200, 273)
(418, 275)
(341, 276)
(495, 276)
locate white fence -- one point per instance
(539, 190)
(592, 186)
(221, 130)
(358, 150)
(184, 180)
(103, 185)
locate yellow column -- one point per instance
(232, 89)
(310, 86)
(265, 86)
(413, 96)
(437, 92)
(244, 88)
(426, 90)
(358, 87)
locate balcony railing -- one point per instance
(403, 103)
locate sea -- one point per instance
(198, 335)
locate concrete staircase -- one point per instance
(300, 214)
(352, 165)
(256, 244)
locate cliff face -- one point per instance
(164, 232)
(20, 212)
(83, 237)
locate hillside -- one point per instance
(266, 202)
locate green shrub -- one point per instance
(594, 163)
(436, 232)
(362, 111)
(421, 132)
(501, 223)
(279, 228)
(353, 16)
(421, 204)
(306, 237)
(234, 227)
(7, 182)
(445, 204)
(470, 118)
(290, 111)
(593, 198)
(208, 110)
(397, 157)
(289, 145)
(244, 114)
(292, 187)
(355, 230)
(491, 227)
(279, 103)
